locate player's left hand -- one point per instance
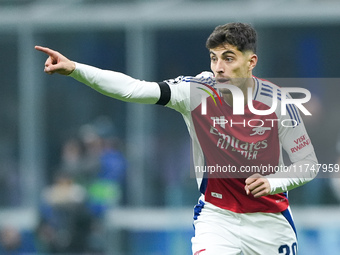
(257, 185)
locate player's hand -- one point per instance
(56, 62)
(257, 185)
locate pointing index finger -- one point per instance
(48, 51)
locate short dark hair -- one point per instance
(240, 35)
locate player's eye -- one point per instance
(213, 59)
(229, 59)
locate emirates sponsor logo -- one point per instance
(248, 150)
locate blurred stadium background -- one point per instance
(81, 173)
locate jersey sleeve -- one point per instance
(117, 85)
(174, 93)
(293, 135)
(296, 142)
(179, 90)
(184, 97)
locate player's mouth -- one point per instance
(222, 80)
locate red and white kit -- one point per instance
(227, 220)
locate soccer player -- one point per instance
(239, 211)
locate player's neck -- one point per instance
(228, 98)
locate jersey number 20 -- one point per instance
(285, 249)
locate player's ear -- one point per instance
(252, 61)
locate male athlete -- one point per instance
(239, 212)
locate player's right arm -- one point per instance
(110, 83)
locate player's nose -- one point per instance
(219, 68)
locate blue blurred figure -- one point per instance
(106, 188)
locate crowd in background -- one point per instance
(88, 181)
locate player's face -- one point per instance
(231, 66)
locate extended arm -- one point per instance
(110, 83)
